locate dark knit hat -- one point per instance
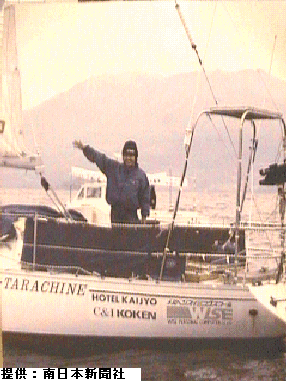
(130, 144)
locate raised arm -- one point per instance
(105, 164)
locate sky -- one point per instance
(62, 44)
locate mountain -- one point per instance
(105, 111)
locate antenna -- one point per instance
(272, 54)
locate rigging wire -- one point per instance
(267, 89)
(210, 118)
(190, 131)
(189, 136)
(171, 227)
(259, 124)
(219, 136)
(261, 220)
(280, 150)
(194, 47)
(272, 53)
(198, 85)
(281, 145)
(210, 31)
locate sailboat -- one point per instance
(13, 152)
(79, 283)
(66, 279)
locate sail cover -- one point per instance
(12, 149)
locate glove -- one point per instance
(78, 144)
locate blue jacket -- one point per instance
(125, 186)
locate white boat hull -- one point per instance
(87, 306)
(273, 297)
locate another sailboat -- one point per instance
(13, 152)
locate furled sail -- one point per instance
(12, 149)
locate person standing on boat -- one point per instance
(127, 185)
